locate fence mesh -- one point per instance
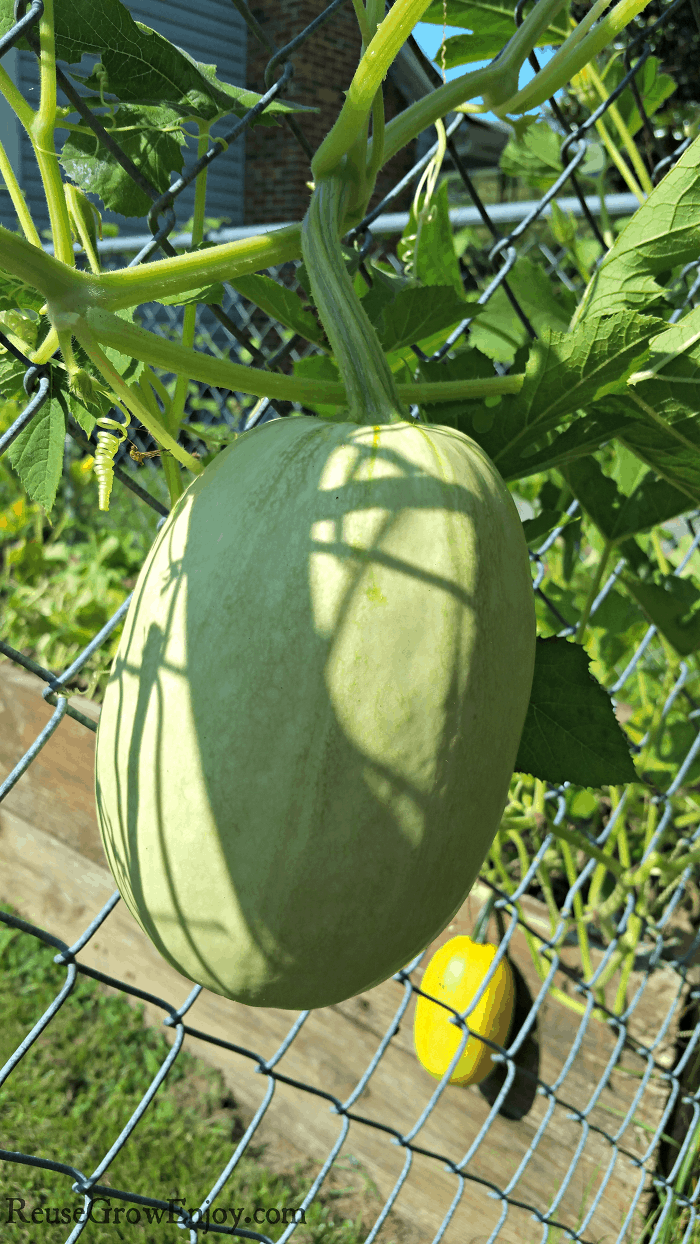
(654, 1042)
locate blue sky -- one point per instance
(429, 38)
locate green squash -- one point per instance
(313, 715)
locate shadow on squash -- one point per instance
(522, 1092)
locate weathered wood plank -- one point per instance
(53, 870)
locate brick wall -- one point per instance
(276, 169)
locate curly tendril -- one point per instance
(107, 446)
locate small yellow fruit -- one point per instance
(453, 977)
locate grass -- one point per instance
(70, 1096)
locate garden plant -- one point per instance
(417, 389)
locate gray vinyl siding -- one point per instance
(10, 137)
(211, 31)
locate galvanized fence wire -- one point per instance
(235, 327)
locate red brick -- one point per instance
(277, 169)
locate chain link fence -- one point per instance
(622, 1151)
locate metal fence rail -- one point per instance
(239, 327)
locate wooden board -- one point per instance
(52, 869)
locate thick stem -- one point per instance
(181, 273)
(130, 286)
(376, 151)
(174, 415)
(128, 396)
(157, 351)
(16, 100)
(42, 135)
(55, 280)
(13, 189)
(573, 54)
(496, 81)
(149, 385)
(371, 392)
(171, 356)
(391, 35)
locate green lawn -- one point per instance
(72, 1093)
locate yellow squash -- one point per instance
(453, 977)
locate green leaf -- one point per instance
(235, 100)
(653, 86)
(681, 339)
(385, 287)
(281, 304)
(586, 434)
(564, 227)
(662, 234)
(14, 294)
(151, 137)
(427, 244)
(615, 515)
(82, 416)
(418, 311)
(534, 156)
(11, 376)
(139, 65)
(537, 528)
(672, 451)
(500, 331)
(566, 372)
(491, 25)
(570, 732)
(673, 606)
(657, 418)
(37, 453)
(471, 417)
(626, 470)
(319, 367)
(217, 436)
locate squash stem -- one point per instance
(370, 387)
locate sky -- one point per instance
(429, 38)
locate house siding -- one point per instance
(214, 33)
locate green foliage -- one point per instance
(160, 88)
(533, 155)
(653, 86)
(404, 312)
(661, 235)
(566, 373)
(140, 65)
(37, 453)
(570, 733)
(59, 585)
(500, 332)
(615, 514)
(490, 24)
(149, 135)
(281, 304)
(426, 248)
(672, 605)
